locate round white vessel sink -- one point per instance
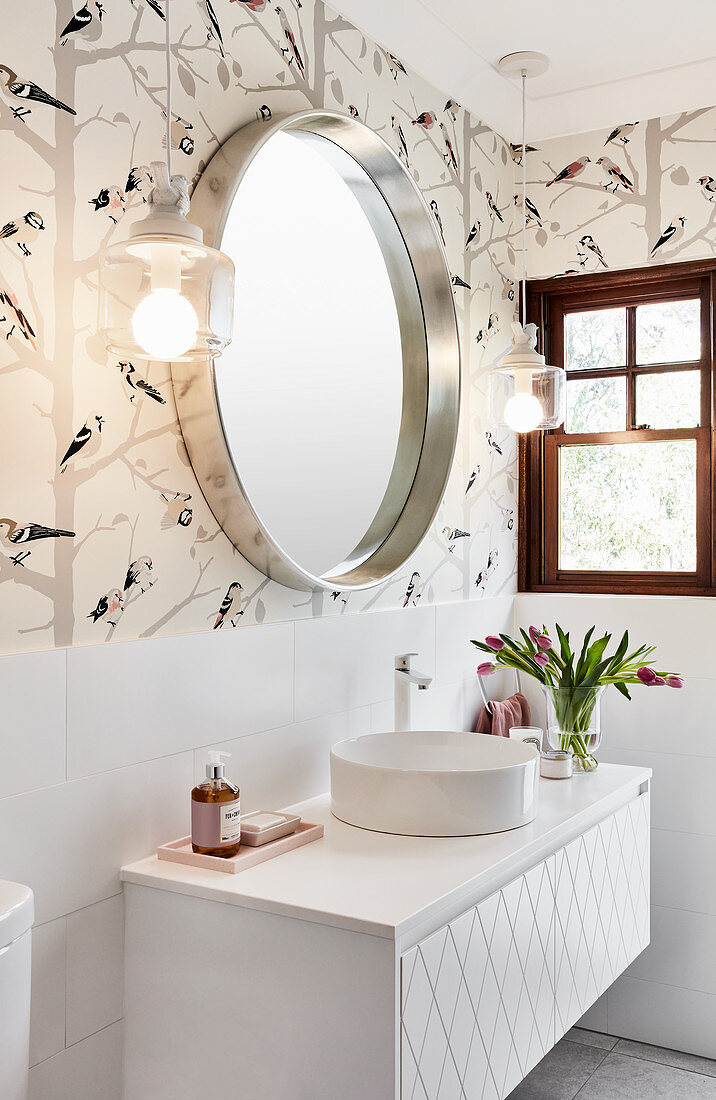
(434, 783)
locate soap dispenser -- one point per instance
(215, 812)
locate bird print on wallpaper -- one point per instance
(394, 65)
(233, 594)
(517, 154)
(426, 119)
(449, 156)
(23, 231)
(436, 214)
(452, 108)
(112, 201)
(154, 5)
(532, 213)
(291, 50)
(457, 281)
(708, 187)
(473, 237)
(615, 177)
(213, 30)
(474, 474)
(134, 385)
(140, 575)
(252, 5)
(109, 608)
(85, 24)
(622, 133)
(14, 534)
(571, 171)
(493, 207)
(452, 534)
(400, 140)
(139, 181)
(671, 235)
(86, 441)
(27, 92)
(492, 444)
(177, 513)
(12, 315)
(412, 592)
(179, 135)
(589, 249)
(484, 575)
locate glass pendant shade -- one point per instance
(526, 393)
(165, 296)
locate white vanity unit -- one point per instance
(368, 966)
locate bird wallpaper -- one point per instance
(638, 193)
(104, 533)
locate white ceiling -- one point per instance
(611, 61)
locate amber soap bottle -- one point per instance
(216, 812)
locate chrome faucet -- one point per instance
(404, 677)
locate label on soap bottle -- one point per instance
(230, 823)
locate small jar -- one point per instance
(556, 764)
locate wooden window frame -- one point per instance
(547, 302)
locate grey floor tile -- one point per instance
(561, 1073)
(592, 1038)
(622, 1078)
(666, 1057)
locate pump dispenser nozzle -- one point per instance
(215, 767)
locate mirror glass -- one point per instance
(311, 389)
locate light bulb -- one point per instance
(165, 324)
(523, 412)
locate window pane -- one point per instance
(595, 340)
(629, 506)
(668, 332)
(669, 400)
(596, 405)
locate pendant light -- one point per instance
(525, 392)
(163, 294)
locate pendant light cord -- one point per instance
(524, 197)
(169, 90)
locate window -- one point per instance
(618, 499)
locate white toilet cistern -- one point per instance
(404, 677)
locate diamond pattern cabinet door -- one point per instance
(601, 888)
(478, 996)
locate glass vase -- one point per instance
(574, 721)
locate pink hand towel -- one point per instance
(514, 711)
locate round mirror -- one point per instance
(324, 434)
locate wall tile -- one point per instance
(595, 1018)
(457, 623)
(286, 765)
(32, 731)
(682, 788)
(86, 1071)
(663, 1015)
(139, 700)
(664, 720)
(441, 707)
(69, 842)
(47, 1020)
(95, 968)
(682, 871)
(681, 951)
(346, 663)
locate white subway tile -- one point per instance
(69, 842)
(682, 871)
(32, 731)
(47, 1020)
(664, 719)
(95, 968)
(139, 700)
(682, 789)
(457, 624)
(89, 1070)
(681, 951)
(286, 765)
(343, 663)
(663, 1015)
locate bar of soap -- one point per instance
(261, 826)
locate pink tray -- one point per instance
(179, 851)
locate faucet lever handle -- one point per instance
(402, 661)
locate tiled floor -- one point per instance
(591, 1066)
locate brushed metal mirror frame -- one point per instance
(404, 226)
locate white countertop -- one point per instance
(389, 885)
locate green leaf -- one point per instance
(623, 690)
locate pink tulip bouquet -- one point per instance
(573, 684)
